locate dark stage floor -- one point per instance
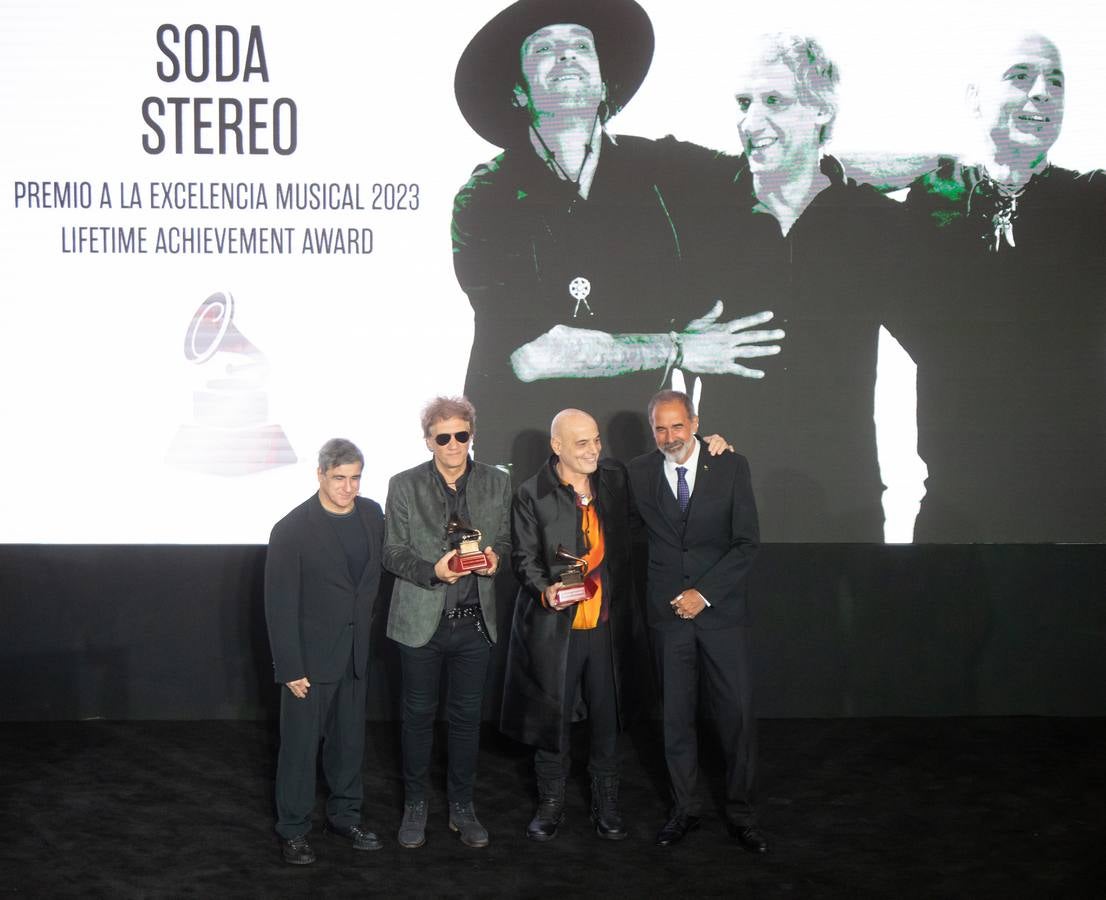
(854, 808)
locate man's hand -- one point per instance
(549, 597)
(688, 604)
(712, 348)
(299, 687)
(444, 572)
(493, 562)
(717, 445)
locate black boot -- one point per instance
(604, 808)
(550, 812)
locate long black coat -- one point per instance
(544, 515)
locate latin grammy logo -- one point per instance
(229, 435)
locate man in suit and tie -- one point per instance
(701, 521)
(322, 572)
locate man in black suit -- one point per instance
(321, 577)
(701, 521)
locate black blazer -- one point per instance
(317, 616)
(710, 548)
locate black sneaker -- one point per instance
(412, 830)
(462, 819)
(296, 851)
(359, 838)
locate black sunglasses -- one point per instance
(443, 439)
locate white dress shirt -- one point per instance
(692, 466)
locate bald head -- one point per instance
(1003, 46)
(574, 437)
(568, 418)
(1017, 96)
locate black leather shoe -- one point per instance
(296, 851)
(675, 828)
(751, 839)
(359, 838)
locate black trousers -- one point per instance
(465, 653)
(335, 713)
(590, 670)
(721, 657)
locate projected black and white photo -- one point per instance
(868, 243)
(1009, 334)
(585, 256)
(565, 243)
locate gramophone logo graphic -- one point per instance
(230, 434)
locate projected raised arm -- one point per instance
(704, 346)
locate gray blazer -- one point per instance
(414, 539)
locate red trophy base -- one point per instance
(574, 593)
(468, 562)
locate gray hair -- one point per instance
(339, 452)
(441, 408)
(671, 397)
(816, 75)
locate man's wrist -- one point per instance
(428, 575)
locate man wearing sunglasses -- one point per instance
(443, 612)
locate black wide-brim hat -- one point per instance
(491, 65)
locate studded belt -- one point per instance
(472, 611)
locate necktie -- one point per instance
(683, 494)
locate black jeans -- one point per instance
(591, 669)
(465, 653)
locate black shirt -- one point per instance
(464, 591)
(355, 543)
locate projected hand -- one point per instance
(711, 347)
(299, 687)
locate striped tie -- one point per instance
(683, 494)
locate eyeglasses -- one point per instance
(442, 439)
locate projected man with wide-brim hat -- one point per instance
(564, 242)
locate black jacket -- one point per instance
(710, 549)
(317, 616)
(521, 236)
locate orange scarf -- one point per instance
(587, 611)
